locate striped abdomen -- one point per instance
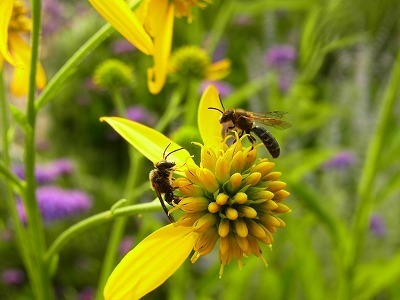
(268, 140)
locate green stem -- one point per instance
(5, 164)
(117, 231)
(96, 220)
(40, 279)
(119, 102)
(172, 111)
(191, 102)
(12, 180)
(366, 184)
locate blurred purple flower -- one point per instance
(53, 17)
(122, 46)
(280, 55)
(56, 203)
(87, 294)
(13, 277)
(376, 225)
(243, 20)
(49, 172)
(342, 160)
(126, 245)
(225, 89)
(140, 114)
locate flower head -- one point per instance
(14, 24)
(193, 62)
(342, 160)
(13, 277)
(149, 28)
(113, 74)
(232, 197)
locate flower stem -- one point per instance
(39, 276)
(191, 96)
(5, 165)
(365, 194)
(96, 220)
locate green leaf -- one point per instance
(374, 278)
(20, 118)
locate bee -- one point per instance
(161, 181)
(245, 121)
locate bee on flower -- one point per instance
(232, 198)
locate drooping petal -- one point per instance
(208, 120)
(6, 8)
(218, 70)
(148, 141)
(20, 78)
(161, 22)
(150, 263)
(120, 16)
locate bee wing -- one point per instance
(272, 118)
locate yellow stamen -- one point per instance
(234, 182)
(231, 213)
(222, 199)
(214, 207)
(275, 186)
(224, 228)
(281, 195)
(205, 223)
(241, 228)
(240, 198)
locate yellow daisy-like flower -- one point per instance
(14, 24)
(149, 28)
(232, 197)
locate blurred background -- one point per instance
(328, 63)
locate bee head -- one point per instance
(227, 116)
(164, 165)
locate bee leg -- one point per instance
(176, 199)
(252, 139)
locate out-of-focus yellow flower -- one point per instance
(231, 197)
(149, 28)
(14, 24)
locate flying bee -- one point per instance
(161, 181)
(245, 121)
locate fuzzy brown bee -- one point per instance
(245, 121)
(161, 181)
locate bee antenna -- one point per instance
(173, 152)
(220, 100)
(214, 108)
(165, 150)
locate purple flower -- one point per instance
(49, 172)
(280, 56)
(141, 115)
(87, 294)
(126, 245)
(342, 160)
(53, 17)
(56, 203)
(376, 225)
(224, 89)
(13, 277)
(122, 46)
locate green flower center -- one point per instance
(112, 74)
(234, 198)
(189, 62)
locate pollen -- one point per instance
(233, 197)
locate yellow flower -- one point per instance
(14, 24)
(149, 28)
(231, 197)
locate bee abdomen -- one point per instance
(268, 140)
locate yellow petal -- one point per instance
(6, 8)
(218, 70)
(120, 16)
(162, 16)
(20, 77)
(150, 263)
(148, 141)
(208, 120)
